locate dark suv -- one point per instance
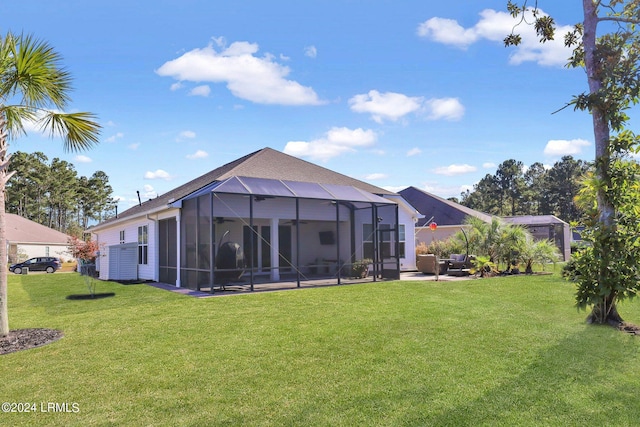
(45, 263)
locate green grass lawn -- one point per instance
(502, 351)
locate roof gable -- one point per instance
(272, 164)
(443, 211)
(265, 163)
(23, 230)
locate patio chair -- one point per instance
(460, 264)
(427, 264)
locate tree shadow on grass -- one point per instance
(583, 380)
(64, 295)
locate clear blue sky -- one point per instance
(395, 93)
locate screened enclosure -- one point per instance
(247, 231)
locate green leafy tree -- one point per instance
(53, 195)
(611, 60)
(26, 191)
(510, 178)
(33, 88)
(562, 186)
(485, 196)
(534, 190)
(63, 194)
(101, 203)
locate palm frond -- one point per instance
(15, 117)
(31, 70)
(79, 131)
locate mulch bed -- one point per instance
(91, 296)
(24, 339)
(629, 328)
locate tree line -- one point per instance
(534, 190)
(52, 194)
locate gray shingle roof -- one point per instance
(534, 220)
(264, 163)
(443, 211)
(23, 230)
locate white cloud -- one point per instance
(495, 26)
(447, 31)
(444, 109)
(414, 152)
(561, 147)
(311, 51)
(185, 134)
(375, 176)
(200, 154)
(257, 79)
(385, 106)
(395, 188)
(134, 146)
(158, 174)
(176, 86)
(115, 137)
(148, 192)
(464, 188)
(454, 169)
(82, 159)
(337, 141)
(203, 90)
(444, 191)
(489, 165)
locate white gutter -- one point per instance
(129, 218)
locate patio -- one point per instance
(291, 284)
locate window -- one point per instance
(122, 237)
(384, 241)
(143, 244)
(367, 241)
(385, 237)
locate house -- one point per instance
(266, 216)
(449, 216)
(28, 239)
(543, 227)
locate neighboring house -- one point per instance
(547, 227)
(291, 218)
(449, 216)
(28, 239)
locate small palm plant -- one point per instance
(484, 267)
(538, 252)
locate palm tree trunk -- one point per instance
(4, 162)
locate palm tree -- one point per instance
(541, 252)
(33, 88)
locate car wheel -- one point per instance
(50, 269)
(17, 270)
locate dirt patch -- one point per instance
(629, 328)
(24, 339)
